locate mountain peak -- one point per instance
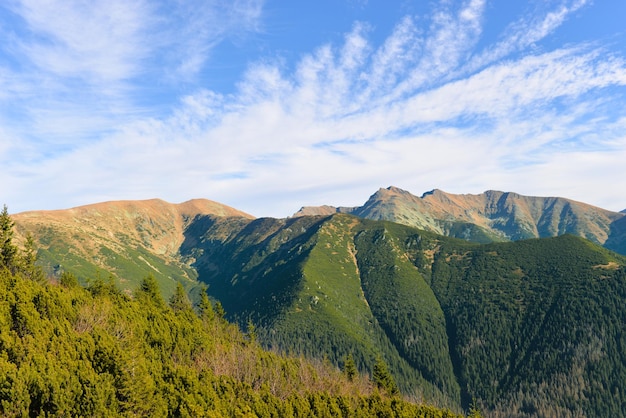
(323, 210)
(395, 189)
(488, 216)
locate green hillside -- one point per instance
(537, 326)
(66, 350)
(126, 240)
(527, 327)
(298, 280)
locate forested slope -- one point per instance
(537, 326)
(66, 350)
(524, 328)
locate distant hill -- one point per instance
(491, 216)
(128, 239)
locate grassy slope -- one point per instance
(532, 326)
(126, 240)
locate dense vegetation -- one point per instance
(525, 328)
(299, 282)
(66, 350)
(537, 326)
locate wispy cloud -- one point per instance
(525, 31)
(429, 106)
(190, 30)
(94, 41)
(98, 63)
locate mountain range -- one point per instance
(490, 216)
(523, 327)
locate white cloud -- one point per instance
(78, 71)
(424, 109)
(526, 31)
(99, 41)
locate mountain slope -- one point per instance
(304, 283)
(526, 328)
(492, 216)
(502, 323)
(535, 325)
(127, 239)
(69, 351)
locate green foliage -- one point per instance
(68, 280)
(474, 411)
(534, 325)
(30, 269)
(349, 367)
(11, 258)
(404, 304)
(219, 310)
(150, 288)
(311, 288)
(179, 300)
(69, 351)
(251, 331)
(205, 307)
(383, 379)
(529, 327)
(8, 250)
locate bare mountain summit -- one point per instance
(492, 216)
(124, 238)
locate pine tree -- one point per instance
(383, 379)
(8, 251)
(205, 307)
(150, 287)
(68, 280)
(251, 331)
(474, 411)
(29, 258)
(179, 300)
(219, 310)
(349, 367)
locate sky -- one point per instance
(268, 106)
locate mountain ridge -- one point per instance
(129, 238)
(490, 216)
(453, 320)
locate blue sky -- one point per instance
(271, 105)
